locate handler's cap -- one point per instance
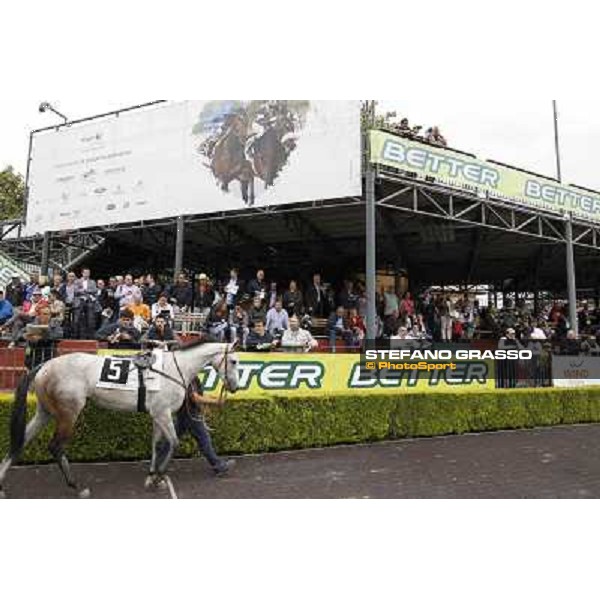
(510, 330)
(36, 292)
(203, 277)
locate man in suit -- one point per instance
(316, 301)
(258, 286)
(85, 306)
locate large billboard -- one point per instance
(465, 172)
(190, 158)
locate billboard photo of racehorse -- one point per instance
(251, 141)
(193, 157)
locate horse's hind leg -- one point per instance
(252, 194)
(65, 425)
(245, 197)
(35, 426)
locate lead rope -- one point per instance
(223, 394)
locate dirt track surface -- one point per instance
(562, 462)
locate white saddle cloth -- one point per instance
(119, 373)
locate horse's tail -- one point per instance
(18, 418)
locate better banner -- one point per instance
(262, 374)
(464, 172)
(190, 158)
(318, 374)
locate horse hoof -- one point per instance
(2, 495)
(153, 483)
(162, 485)
(85, 494)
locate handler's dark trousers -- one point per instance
(189, 419)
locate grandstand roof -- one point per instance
(331, 238)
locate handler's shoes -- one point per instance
(223, 467)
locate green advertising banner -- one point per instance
(465, 172)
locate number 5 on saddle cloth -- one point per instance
(132, 374)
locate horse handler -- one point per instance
(190, 419)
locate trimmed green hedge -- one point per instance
(279, 423)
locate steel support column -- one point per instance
(371, 252)
(45, 254)
(571, 281)
(179, 246)
(371, 230)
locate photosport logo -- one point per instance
(507, 364)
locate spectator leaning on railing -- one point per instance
(41, 338)
(121, 334)
(260, 340)
(295, 338)
(160, 333)
(434, 136)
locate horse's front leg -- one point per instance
(157, 447)
(164, 423)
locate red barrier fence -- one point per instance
(12, 360)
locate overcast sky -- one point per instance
(517, 132)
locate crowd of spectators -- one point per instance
(456, 318)
(432, 135)
(125, 311)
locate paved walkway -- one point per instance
(562, 462)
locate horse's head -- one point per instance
(225, 363)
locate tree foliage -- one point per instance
(12, 194)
